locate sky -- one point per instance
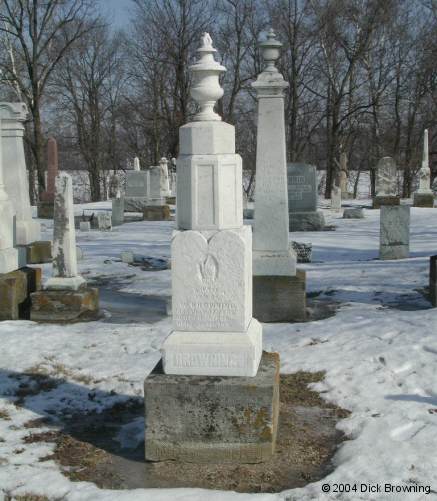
(117, 11)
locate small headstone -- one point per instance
(165, 180)
(85, 226)
(386, 182)
(117, 215)
(394, 237)
(47, 197)
(353, 213)
(336, 198)
(104, 222)
(303, 251)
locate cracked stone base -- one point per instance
(202, 419)
(157, 213)
(15, 290)
(214, 353)
(385, 200)
(280, 299)
(65, 306)
(423, 199)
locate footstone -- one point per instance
(45, 210)
(59, 306)
(423, 199)
(394, 237)
(280, 299)
(307, 221)
(433, 280)
(15, 290)
(353, 213)
(39, 252)
(212, 420)
(388, 200)
(157, 213)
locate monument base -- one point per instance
(58, 306)
(156, 213)
(423, 199)
(214, 353)
(394, 251)
(135, 204)
(45, 210)
(8, 260)
(306, 221)
(39, 252)
(15, 290)
(201, 419)
(280, 299)
(353, 213)
(378, 201)
(274, 262)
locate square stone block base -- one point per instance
(15, 290)
(387, 200)
(306, 221)
(58, 306)
(45, 210)
(280, 299)
(394, 251)
(207, 419)
(157, 213)
(423, 199)
(214, 353)
(39, 252)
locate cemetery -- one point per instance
(210, 309)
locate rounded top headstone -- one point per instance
(207, 90)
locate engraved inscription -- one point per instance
(199, 360)
(207, 315)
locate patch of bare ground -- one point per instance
(307, 440)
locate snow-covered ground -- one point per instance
(379, 352)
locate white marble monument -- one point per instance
(214, 333)
(386, 183)
(8, 255)
(272, 252)
(12, 117)
(165, 179)
(424, 196)
(65, 275)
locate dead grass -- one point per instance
(4, 414)
(26, 497)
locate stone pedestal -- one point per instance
(157, 213)
(280, 299)
(433, 280)
(63, 305)
(45, 210)
(307, 221)
(15, 290)
(39, 252)
(388, 200)
(394, 240)
(212, 420)
(423, 199)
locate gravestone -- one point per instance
(386, 173)
(104, 221)
(66, 297)
(433, 280)
(157, 209)
(336, 198)
(302, 198)
(165, 179)
(424, 196)
(137, 189)
(47, 197)
(353, 213)
(117, 214)
(394, 238)
(13, 116)
(214, 350)
(274, 260)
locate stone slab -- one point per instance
(212, 419)
(212, 353)
(45, 209)
(353, 213)
(394, 239)
(135, 204)
(137, 184)
(390, 200)
(104, 221)
(307, 221)
(423, 199)
(157, 213)
(302, 187)
(39, 252)
(274, 262)
(280, 299)
(15, 290)
(65, 306)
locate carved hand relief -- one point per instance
(203, 297)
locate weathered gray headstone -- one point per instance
(353, 213)
(394, 237)
(302, 187)
(117, 214)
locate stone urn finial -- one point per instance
(271, 50)
(206, 90)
